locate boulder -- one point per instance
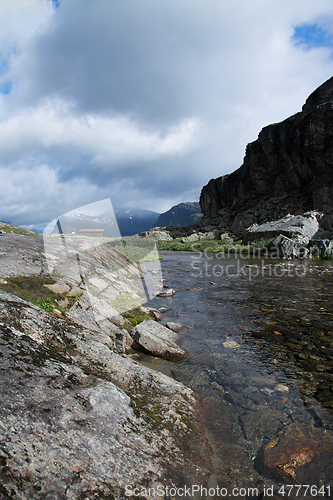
(166, 292)
(208, 235)
(158, 340)
(289, 249)
(300, 228)
(192, 237)
(157, 234)
(226, 238)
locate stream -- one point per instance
(259, 335)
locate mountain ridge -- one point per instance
(182, 215)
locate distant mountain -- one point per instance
(181, 215)
(129, 222)
(134, 221)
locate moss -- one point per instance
(33, 289)
(136, 316)
(158, 419)
(188, 423)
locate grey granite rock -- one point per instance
(300, 228)
(158, 340)
(79, 421)
(166, 292)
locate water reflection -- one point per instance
(260, 350)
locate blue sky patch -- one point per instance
(5, 88)
(312, 35)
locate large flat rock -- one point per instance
(158, 340)
(300, 228)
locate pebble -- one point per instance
(168, 292)
(230, 344)
(281, 388)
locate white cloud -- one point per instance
(109, 140)
(117, 105)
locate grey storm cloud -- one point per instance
(144, 101)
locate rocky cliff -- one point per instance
(289, 168)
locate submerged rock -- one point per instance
(175, 327)
(297, 455)
(158, 340)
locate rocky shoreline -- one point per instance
(293, 236)
(80, 418)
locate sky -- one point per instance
(144, 101)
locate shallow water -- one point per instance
(260, 340)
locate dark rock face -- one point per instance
(291, 162)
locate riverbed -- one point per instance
(259, 335)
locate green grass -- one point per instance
(256, 248)
(136, 249)
(46, 304)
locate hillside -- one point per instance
(181, 215)
(9, 228)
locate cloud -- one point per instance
(146, 101)
(107, 140)
(27, 191)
